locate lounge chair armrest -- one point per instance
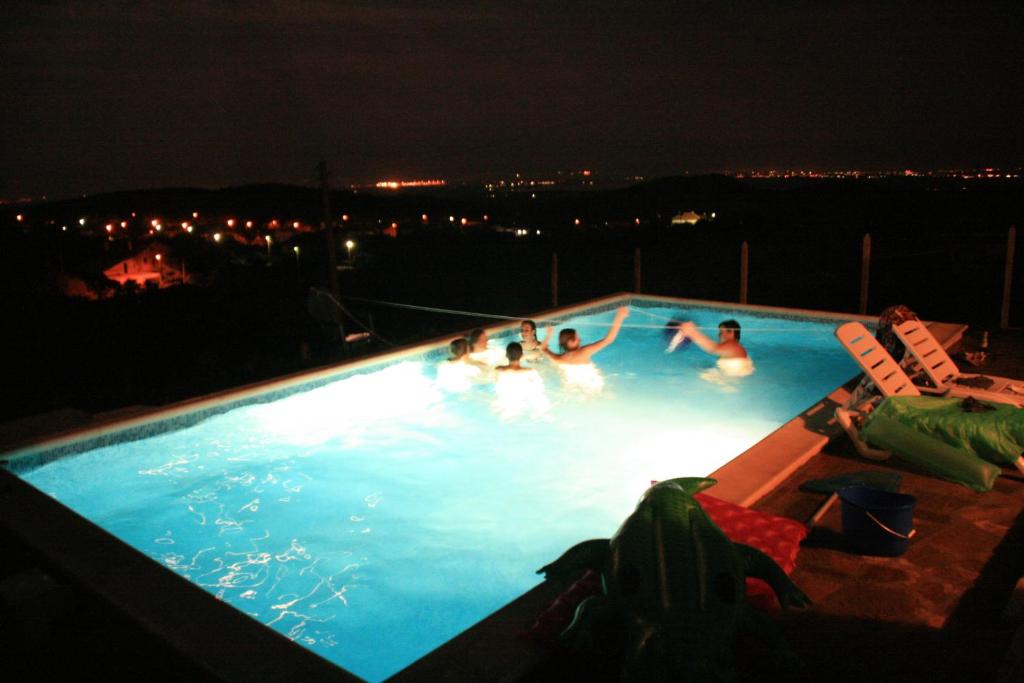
(932, 391)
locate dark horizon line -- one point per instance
(751, 173)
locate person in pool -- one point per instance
(514, 354)
(576, 353)
(733, 360)
(530, 343)
(727, 346)
(477, 340)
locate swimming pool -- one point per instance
(351, 513)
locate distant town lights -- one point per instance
(231, 222)
(248, 224)
(464, 221)
(295, 224)
(451, 219)
(195, 214)
(423, 217)
(344, 217)
(216, 237)
(81, 221)
(19, 218)
(124, 224)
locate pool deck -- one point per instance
(949, 609)
(936, 612)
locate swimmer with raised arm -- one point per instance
(733, 360)
(727, 346)
(575, 353)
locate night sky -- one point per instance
(101, 96)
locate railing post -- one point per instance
(554, 280)
(865, 273)
(744, 269)
(1011, 247)
(637, 261)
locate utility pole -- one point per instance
(327, 225)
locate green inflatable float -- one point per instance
(939, 436)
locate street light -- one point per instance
(349, 244)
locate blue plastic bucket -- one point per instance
(877, 522)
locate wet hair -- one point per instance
(565, 336)
(533, 326)
(514, 351)
(458, 348)
(474, 336)
(731, 325)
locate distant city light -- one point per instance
(216, 237)
(159, 257)
(423, 217)
(231, 222)
(188, 229)
(195, 214)
(486, 217)
(295, 225)
(64, 228)
(248, 224)
(576, 221)
(395, 184)
(81, 221)
(586, 172)
(109, 227)
(124, 224)
(274, 223)
(19, 218)
(637, 221)
(394, 225)
(451, 219)
(344, 217)
(464, 221)
(184, 225)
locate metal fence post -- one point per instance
(554, 280)
(1011, 247)
(637, 261)
(865, 273)
(744, 270)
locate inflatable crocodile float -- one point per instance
(674, 590)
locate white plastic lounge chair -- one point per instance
(878, 366)
(943, 373)
(880, 371)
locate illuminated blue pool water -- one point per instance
(375, 517)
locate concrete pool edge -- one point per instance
(506, 657)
